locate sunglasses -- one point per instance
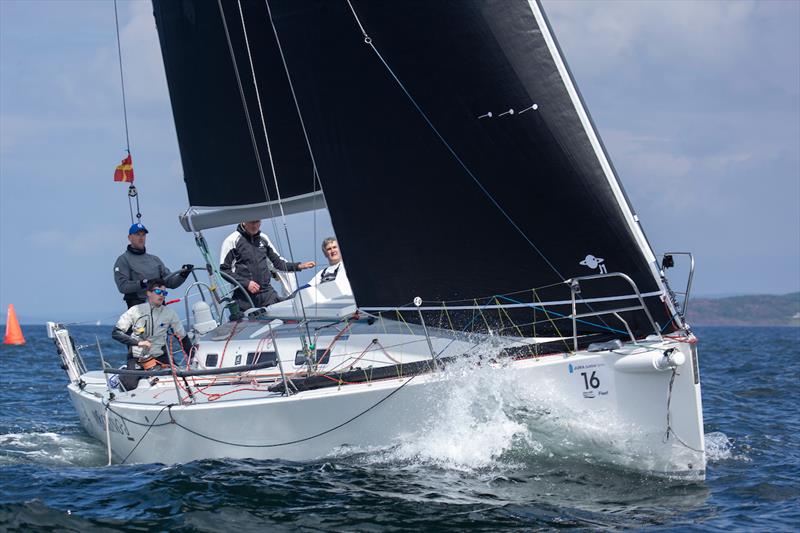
(160, 292)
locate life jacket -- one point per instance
(327, 275)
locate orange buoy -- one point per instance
(13, 331)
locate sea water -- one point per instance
(493, 460)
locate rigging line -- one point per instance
(247, 113)
(122, 83)
(130, 208)
(294, 95)
(670, 430)
(304, 439)
(561, 315)
(271, 160)
(314, 223)
(302, 125)
(368, 41)
(244, 103)
(260, 108)
(272, 217)
(149, 427)
(515, 304)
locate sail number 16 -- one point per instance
(590, 380)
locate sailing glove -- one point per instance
(185, 271)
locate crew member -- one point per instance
(250, 258)
(335, 270)
(135, 267)
(144, 328)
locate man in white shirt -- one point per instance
(335, 271)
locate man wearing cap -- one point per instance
(134, 267)
(144, 329)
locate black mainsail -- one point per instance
(457, 159)
(224, 149)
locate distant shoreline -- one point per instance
(750, 310)
(758, 310)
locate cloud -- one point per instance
(145, 83)
(90, 83)
(700, 32)
(76, 243)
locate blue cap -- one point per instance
(136, 228)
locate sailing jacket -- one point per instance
(147, 323)
(134, 267)
(252, 258)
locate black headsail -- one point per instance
(457, 159)
(223, 147)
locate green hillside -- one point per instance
(750, 310)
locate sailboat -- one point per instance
(480, 217)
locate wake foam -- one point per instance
(51, 449)
(720, 448)
(492, 417)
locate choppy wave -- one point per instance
(499, 458)
(48, 448)
(492, 419)
(720, 448)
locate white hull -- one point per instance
(612, 405)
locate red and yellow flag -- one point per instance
(124, 170)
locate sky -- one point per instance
(698, 104)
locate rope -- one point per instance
(260, 108)
(560, 315)
(132, 193)
(449, 321)
(244, 103)
(519, 331)
(266, 135)
(294, 96)
(149, 426)
(669, 423)
(227, 341)
(486, 322)
(122, 81)
(241, 445)
(252, 134)
(368, 41)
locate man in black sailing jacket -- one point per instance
(250, 258)
(135, 267)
